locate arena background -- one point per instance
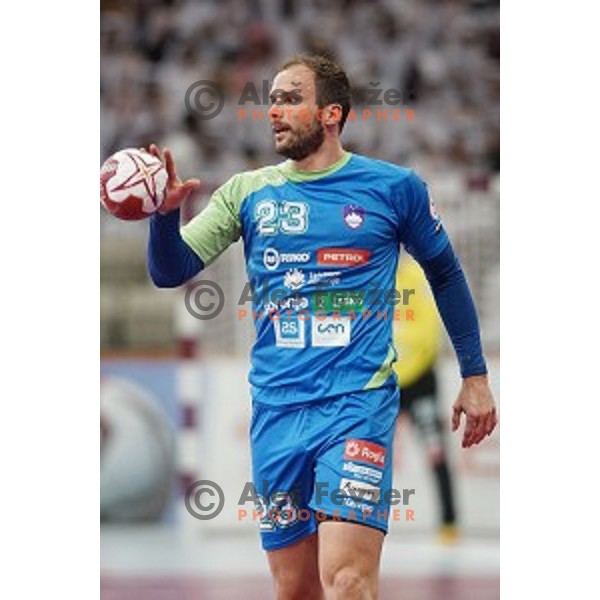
(189, 405)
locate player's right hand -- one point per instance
(476, 401)
(177, 191)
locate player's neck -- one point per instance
(328, 154)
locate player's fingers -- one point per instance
(468, 436)
(187, 188)
(469, 430)
(170, 165)
(488, 423)
(191, 185)
(153, 149)
(455, 417)
(180, 192)
(480, 429)
(173, 200)
(492, 421)
(177, 195)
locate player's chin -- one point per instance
(282, 148)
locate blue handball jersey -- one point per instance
(321, 252)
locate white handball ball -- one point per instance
(133, 184)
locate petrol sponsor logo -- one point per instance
(331, 331)
(272, 258)
(343, 257)
(367, 452)
(359, 490)
(367, 473)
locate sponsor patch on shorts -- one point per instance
(363, 472)
(367, 452)
(359, 490)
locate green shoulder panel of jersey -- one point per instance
(219, 224)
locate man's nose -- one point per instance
(275, 113)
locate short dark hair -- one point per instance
(331, 81)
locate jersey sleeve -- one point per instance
(212, 231)
(421, 232)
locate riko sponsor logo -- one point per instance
(331, 331)
(343, 257)
(363, 451)
(272, 258)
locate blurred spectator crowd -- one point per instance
(443, 56)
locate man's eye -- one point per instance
(280, 99)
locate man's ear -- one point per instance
(333, 114)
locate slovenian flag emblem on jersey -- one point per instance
(354, 215)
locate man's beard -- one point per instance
(304, 144)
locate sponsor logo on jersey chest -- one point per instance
(343, 257)
(289, 332)
(331, 331)
(272, 258)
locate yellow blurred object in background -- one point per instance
(418, 342)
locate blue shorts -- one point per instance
(323, 459)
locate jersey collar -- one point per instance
(297, 175)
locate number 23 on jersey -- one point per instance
(289, 217)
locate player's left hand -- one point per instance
(476, 401)
(177, 191)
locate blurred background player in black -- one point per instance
(418, 343)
